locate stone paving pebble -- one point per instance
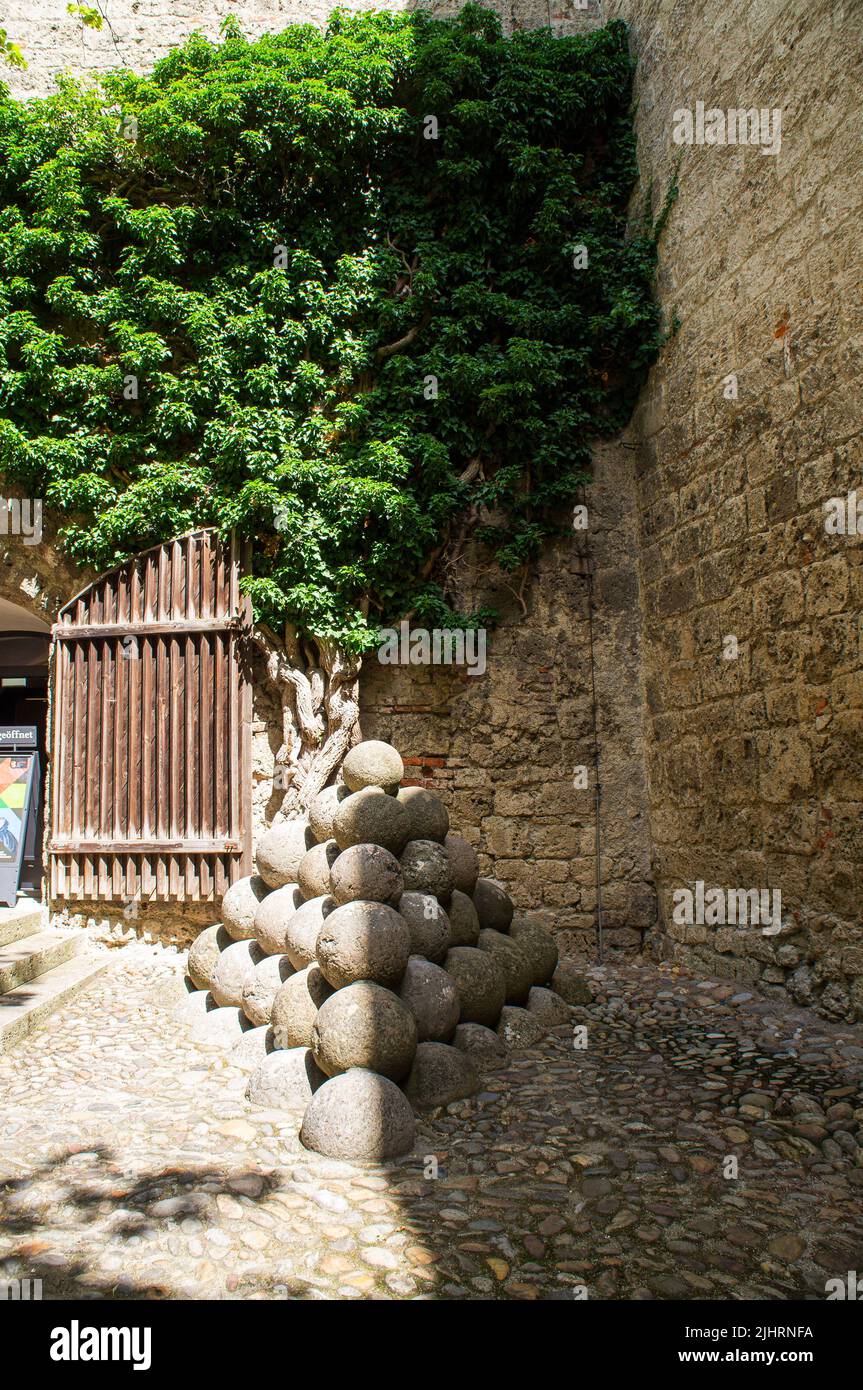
(599, 1163)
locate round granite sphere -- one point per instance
(220, 1029)
(322, 812)
(370, 817)
(428, 925)
(547, 1007)
(365, 1025)
(280, 850)
(372, 764)
(366, 873)
(304, 928)
(512, 961)
(539, 948)
(296, 1005)
(483, 1046)
(363, 941)
(313, 874)
(463, 921)
(493, 906)
(204, 955)
(432, 997)
(426, 869)
(260, 990)
(359, 1116)
(465, 864)
(251, 1049)
(429, 818)
(480, 982)
(239, 906)
(285, 1080)
(234, 971)
(273, 916)
(440, 1074)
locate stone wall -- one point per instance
(754, 762)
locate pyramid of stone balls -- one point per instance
(378, 970)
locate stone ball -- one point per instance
(280, 850)
(482, 1045)
(372, 764)
(359, 1116)
(428, 817)
(253, 1047)
(304, 928)
(426, 869)
(519, 1028)
(428, 925)
(273, 916)
(480, 982)
(322, 812)
(493, 906)
(465, 864)
(440, 1074)
(296, 1005)
(513, 962)
(260, 990)
(432, 997)
(571, 983)
(463, 921)
(194, 1006)
(370, 817)
(366, 872)
(240, 905)
(285, 1080)
(234, 971)
(204, 955)
(539, 948)
(548, 1007)
(365, 1025)
(313, 874)
(363, 941)
(220, 1029)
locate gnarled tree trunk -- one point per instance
(318, 686)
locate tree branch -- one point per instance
(401, 343)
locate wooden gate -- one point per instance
(151, 768)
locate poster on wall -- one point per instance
(18, 796)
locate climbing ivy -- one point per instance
(354, 293)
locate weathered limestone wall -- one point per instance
(755, 762)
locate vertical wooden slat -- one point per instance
(151, 736)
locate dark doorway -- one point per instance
(24, 701)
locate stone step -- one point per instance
(25, 918)
(31, 956)
(24, 1009)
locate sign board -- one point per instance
(19, 797)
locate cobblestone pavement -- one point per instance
(132, 1166)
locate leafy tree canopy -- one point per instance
(249, 290)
